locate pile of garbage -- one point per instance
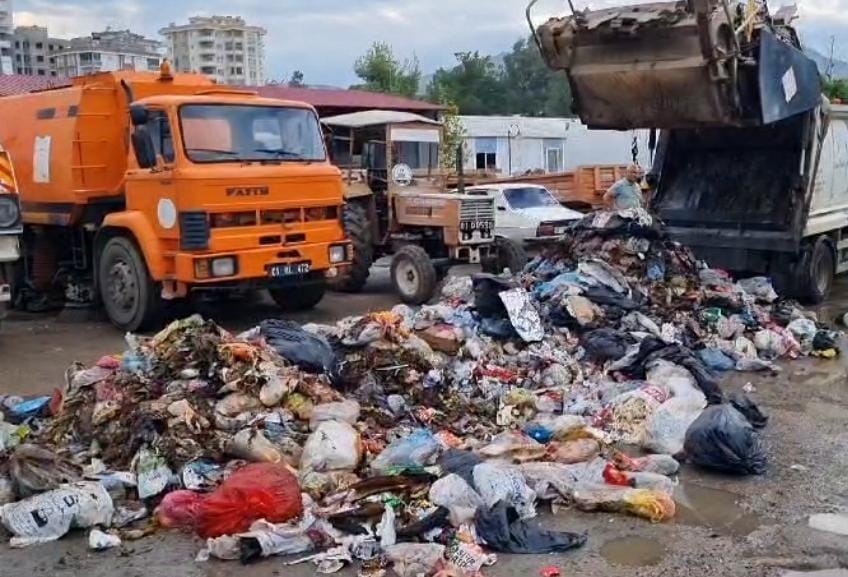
(421, 440)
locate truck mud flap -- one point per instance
(789, 81)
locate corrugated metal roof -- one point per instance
(18, 84)
(317, 97)
(361, 99)
(375, 118)
(526, 127)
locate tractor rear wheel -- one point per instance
(358, 230)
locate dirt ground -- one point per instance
(725, 526)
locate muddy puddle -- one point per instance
(715, 509)
(633, 552)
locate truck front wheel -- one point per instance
(816, 272)
(298, 298)
(129, 295)
(413, 275)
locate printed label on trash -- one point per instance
(523, 315)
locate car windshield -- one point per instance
(233, 133)
(530, 197)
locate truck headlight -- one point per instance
(337, 254)
(224, 266)
(10, 212)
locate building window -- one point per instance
(553, 155)
(152, 63)
(239, 46)
(50, 47)
(487, 153)
(17, 43)
(39, 58)
(41, 72)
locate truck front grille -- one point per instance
(194, 230)
(477, 209)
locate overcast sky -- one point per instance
(324, 37)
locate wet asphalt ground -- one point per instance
(725, 526)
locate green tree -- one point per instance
(474, 85)
(835, 89)
(453, 135)
(296, 78)
(381, 71)
(532, 88)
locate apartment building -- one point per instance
(35, 52)
(109, 50)
(224, 48)
(6, 30)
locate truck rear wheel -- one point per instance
(358, 230)
(816, 272)
(298, 298)
(413, 275)
(129, 295)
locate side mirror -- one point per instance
(138, 115)
(145, 151)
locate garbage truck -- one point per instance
(139, 189)
(10, 229)
(751, 165)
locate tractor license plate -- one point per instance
(470, 225)
(289, 269)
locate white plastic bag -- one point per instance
(416, 559)
(346, 411)
(334, 446)
(675, 379)
(47, 517)
(666, 428)
(498, 482)
(457, 496)
(100, 541)
(523, 315)
(417, 449)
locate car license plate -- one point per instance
(289, 269)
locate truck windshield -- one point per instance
(529, 197)
(233, 133)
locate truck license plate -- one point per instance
(289, 269)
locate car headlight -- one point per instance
(10, 212)
(337, 254)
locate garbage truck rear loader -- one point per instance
(751, 163)
(138, 188)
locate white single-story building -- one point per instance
(514, 145)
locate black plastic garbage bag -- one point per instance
(825, 340)
(749, 409)
(603, 296)
(461, 463)
(498, 328)
(503, 531)
(722, 439)
(604, 345)
(308, 351)
(487, 287)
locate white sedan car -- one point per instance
(527, 212)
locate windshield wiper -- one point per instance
(279, 152)
(213, 150)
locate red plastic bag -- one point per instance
(613, 476)
(258, 491)
(179, 509)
